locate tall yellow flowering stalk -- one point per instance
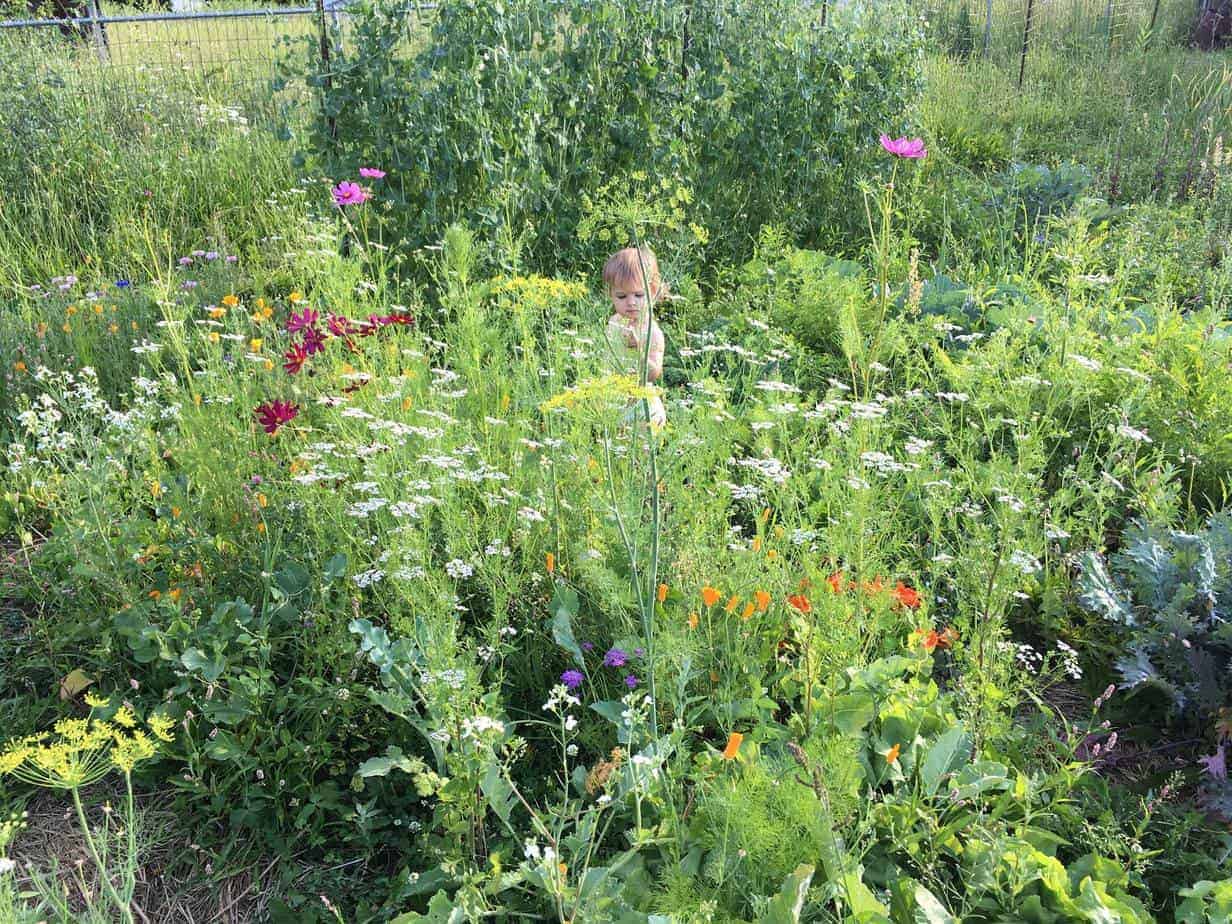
(79, 752)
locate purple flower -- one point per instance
(273, 414)
(348, 193)
(631, 681)
(615, 658)
(211, 255)
(232, 258)
(198, 253)
(588, 646)
(572, 679)
(371, 173)
(639, 652)
(185, 261)
(1216, 765)
(910, 148)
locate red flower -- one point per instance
(273, 414)
(836, 582)
(907, 596)
(800, 602)
(295, 358)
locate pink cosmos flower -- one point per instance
(273, 414)
(306, 318)
(910, 148)
(348, 193)
(371, 173)
(339, 325)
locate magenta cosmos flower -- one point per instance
(371, 173)
(348, 193)
(273, 414)
(910, 148)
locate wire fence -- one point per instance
(204, 65)
(1009, 31)
(222, 64)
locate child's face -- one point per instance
(628, 298)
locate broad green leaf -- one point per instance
(498, 792)
(393, 759)
(335, 568)
(852, 712)
(564, 608)
(786, 906)
(210, 669)
(946, 754)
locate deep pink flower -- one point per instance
(314, 341)
(371, 173)
(273, 414)
(300, 321)
(348, 193)
(910, 148)
(295, 358)
(339, 325)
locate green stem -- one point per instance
(102, 870)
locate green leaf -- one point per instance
(335, 568)
(393, 759)
(564, 608)
(440, 911)
(786, 906)
(210, 669)
(852, 712)
(498, 792)
(946, 754)
(929, 909)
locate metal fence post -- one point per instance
(96, 31)
(987, 27)
(327, 81)
(1026, 38)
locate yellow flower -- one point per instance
(216, 313)
(96, 702)
(66, 327)
(214, 338)
(262, 500)
(161, 726)
(603, 390)
(255, 344)
(19, 366)
(113, 328)
(230, 301)
(156, 488)
(693, 620)
(71, 310)
(124, 716)
(295, 298)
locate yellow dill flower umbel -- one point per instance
(604, 390)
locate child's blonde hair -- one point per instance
(624, 267)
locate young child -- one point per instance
(632, 317)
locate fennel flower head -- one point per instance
(78, 752)
(602, 391)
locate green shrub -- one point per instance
(513, 113)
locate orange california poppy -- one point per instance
(800, 602)
(749, 609)
(692, 620)
(763, 600)
(892, 754)
(551, 563)
(710, 596)
(662, 593)
(907, 596)
(733, 745)
(836, 582)
(732, 603)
